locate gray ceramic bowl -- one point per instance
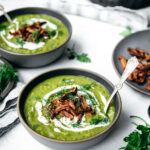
(41, 59)
(10, 85)
(58, 144)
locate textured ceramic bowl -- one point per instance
(10, 85)
(41, 59)
(77, 144)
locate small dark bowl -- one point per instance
(10, 85)
(41, 59)
(60, 144)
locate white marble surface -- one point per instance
(98, 39)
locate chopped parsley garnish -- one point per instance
(52, 33)
(84, 58)
(60, 93)
(126, 32)
(78, 104)
(66, 80)
(71, 97)
(20, 41)
(3, 27)
(87, 86)
(7, 74)
(139, 139)
(76, 125)
(96, 121)
(72, 54)
(35, 35)
(37, 98)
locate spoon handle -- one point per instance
(131, 65)
(5, 14)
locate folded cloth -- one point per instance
(134, 19)
(8, 110)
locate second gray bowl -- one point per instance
(41, 59)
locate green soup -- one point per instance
(36, 108)
(11, 43)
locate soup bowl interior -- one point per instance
(34, 60)
(77, 144)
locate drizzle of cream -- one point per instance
(41, 118)
(27, 45)
(79, 129)
(17, 23)
(9, 36)
(57, 130)
(65, 123)
(103, 99)
(33, 46)
(2, 33)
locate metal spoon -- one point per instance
(131, 65)
(5, 14)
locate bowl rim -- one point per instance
(67, 141)
(44, 9)
(117, 70)
(10, 85)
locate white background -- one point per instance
(98, 39)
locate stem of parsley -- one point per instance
(139, 139)
(72, 54)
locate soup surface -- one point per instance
(49, 35)
(64, 124)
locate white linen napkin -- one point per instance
(8, 111)
(134, 19)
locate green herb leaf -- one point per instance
(126, 32)
(78, 104)
(3, 27)
(35, 35)
(96, 121)
(140, 138)
(84, 58)
(37, 98)
(76, 125)
(7, 74)
(71, 97)
(52, 33)
(66, 80)
(71, 52)
(20, 41)
(87, 86)
(60, 93)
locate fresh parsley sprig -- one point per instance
(140, 138)
(72, 54)
(7, 74)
